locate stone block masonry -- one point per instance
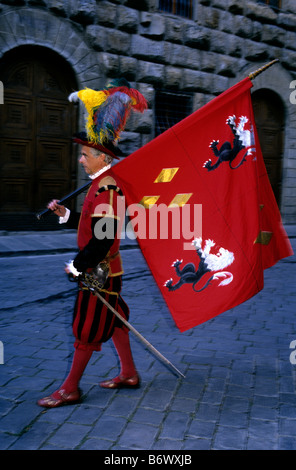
(222, 43)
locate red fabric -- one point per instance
(93, 323)
(236, 205)
(121, 342)
(95, 205)
(80, 360)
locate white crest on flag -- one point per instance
(208, 262)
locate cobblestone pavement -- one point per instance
(239, 390)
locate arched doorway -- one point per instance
(36, 125)
(270, 122)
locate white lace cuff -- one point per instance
(63, 220)
(72, 268)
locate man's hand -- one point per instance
(67, 269)
(59, 210)
(71, 271)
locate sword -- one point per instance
(93, 285)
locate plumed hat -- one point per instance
(107, 113)
(108, 147)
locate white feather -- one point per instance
(73, 97)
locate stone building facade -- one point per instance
(49, 48)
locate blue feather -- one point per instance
(110, 117)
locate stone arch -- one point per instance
(277, 80)
(28, 26)
(25, 26)
(36, 125)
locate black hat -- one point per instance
(108, 147)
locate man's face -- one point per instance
(90, 163)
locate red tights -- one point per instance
(121, 342)
(81, 358)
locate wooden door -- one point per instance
(36, 125)
(269, 118)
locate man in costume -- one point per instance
(93, 323)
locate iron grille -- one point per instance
(272, 3)
(170, 108)
(177, 7)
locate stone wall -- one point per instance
(225, 40)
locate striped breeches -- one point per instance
(93, 322)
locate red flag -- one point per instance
(204, 211)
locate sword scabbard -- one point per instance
(91, 283)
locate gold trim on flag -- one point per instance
(166, 175)
(180, 199)
(263, 238)
(148, 201)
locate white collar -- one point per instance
(98, 173)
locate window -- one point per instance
(170, 108)
(177, 7)
(272, 3)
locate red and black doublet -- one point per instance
(93, 323)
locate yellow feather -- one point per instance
(91, 99)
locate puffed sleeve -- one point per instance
(104, 229)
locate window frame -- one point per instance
(175, 4)
(167, 107)
(267, 2)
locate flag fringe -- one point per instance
(254, 74)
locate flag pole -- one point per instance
(255, 74)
